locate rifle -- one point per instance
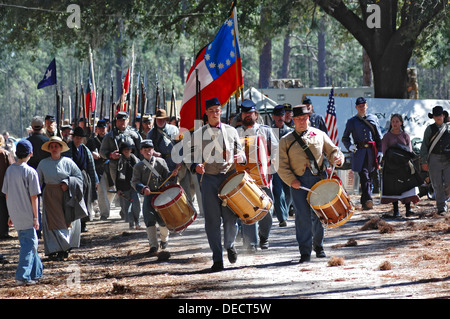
(101, 105)
(142, 106)
(76, 111)
(58, 116)
(157, 94)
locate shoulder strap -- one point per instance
(305, 148)
(437, 137)
(370, 125)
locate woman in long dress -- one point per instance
(397, 135)
(55, 172)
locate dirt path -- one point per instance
(406, 258)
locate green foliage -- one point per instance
(32, 32)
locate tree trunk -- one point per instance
(284, 74)
(265, 64)
(389, 46)
(321, 54)
(367, 69)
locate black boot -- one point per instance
(409, 212)
(395, 204)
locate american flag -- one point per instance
(330, 119)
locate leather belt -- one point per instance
(360, 145)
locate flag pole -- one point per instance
(233, 11)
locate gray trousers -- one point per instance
(262, 228)
(216, 214)
(439, 171)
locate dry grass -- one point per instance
(336, 261)
(378, 223)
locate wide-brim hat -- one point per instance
(55, 139)
(300, 110)
(161, 114)
(436, 111)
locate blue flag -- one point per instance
(49, 76)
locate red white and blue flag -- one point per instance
(219, 72)
(330, 119)
(90, 96)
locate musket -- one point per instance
(157, 94)
(82, 103)
(58, 116)
(172, 103)
(197, 96)
(101, 104)
(76, 111)
(164, 98)
(142, 107)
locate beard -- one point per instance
(248, 121)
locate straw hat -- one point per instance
(55, 139)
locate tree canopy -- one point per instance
(167, 35)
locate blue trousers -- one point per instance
(309, 230)
(151, 216)
(281, 207)
(366, 181)
(30, 265)
(130, 207)
(216, 214)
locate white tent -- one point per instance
(414, 112)
(263, 103)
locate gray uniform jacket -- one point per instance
(143, 176)
(216, 148)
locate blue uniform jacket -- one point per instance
(361, 133)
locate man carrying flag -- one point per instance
(49, 76)
(219, 71)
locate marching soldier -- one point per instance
(148, 174)
(213, 166)
(300, 158)
(109, 149)
(250, 127)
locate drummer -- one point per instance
(216, 149)
(298, 170)
(148, 175)
(250, 127)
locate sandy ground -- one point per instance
(403, 258)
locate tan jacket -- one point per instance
(296, 161)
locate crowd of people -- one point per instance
(72, 175)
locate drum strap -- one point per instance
(315, 169)
(152, 169)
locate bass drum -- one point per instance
(258, 163)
